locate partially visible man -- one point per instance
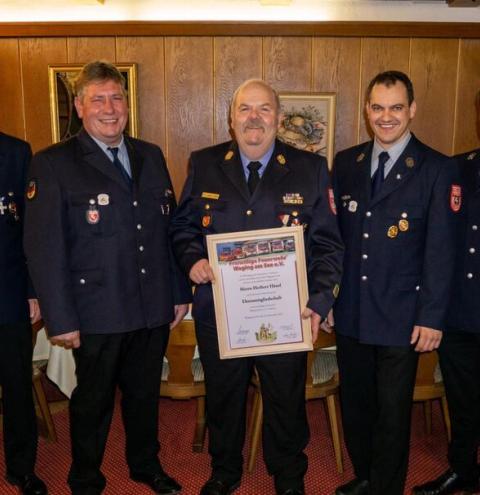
(460, 348)
(96, 239)
(18, 310)
(397, 204)
(256, 182)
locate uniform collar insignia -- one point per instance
(281, 159)
(472, 155)
(360, 157)
(409, 162)
(229, 155)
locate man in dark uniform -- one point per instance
(256, 182)
(96, 239)
(397, 203)
(18, 309)
(460, 348)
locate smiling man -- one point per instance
(397, 204)
(96, 239)
(256, 182)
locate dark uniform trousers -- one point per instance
(460, 348)
(460, 364)
(293, 191)
(285, 427)
(376, 410)
(134, 361)
(19, 422)
(398, 272)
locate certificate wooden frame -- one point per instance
(272, 255)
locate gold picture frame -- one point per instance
(309, 122)
(64, 119)
(260, 290)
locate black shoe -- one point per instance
(447, 483)
(292, 491)
(160, 482)
(354, 487)
(215, 486)
(29, 484)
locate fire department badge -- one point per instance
(456, 198)
(206, 220)
(92, 215)
(331, 201)
(31, 189)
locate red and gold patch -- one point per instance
(32, 189)
(456, 198)
(206, 220)
(331, 201)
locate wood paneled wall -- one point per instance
(185, 83)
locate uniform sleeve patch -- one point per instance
(456, 198)
(331, 201)
(32, 189)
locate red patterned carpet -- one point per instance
(427, 459)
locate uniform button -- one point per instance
(139, 226)
(417, 288)
(364, 278)
(135, 203)
(369, 213)
(404, 214)
(141, 248)
(249, 212)
(474, 227)
(82, 281)
(365, 235)
(469, 275)
(471, 250)
(365, 256)
(143, 271)
(207, 206)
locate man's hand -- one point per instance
(314, 322)
(427, 339)
(34, 310)
(180, 311)
(329, 322)
(68, 340)
(201, 272)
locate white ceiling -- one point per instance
(237, 10)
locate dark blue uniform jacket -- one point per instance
(464, 314)
(99, 252)
(400, 246)
(218, 170)
(14, 159)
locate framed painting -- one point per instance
(64, 119)
(309, 122)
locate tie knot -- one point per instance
(114, 152)
(383, 158)
(254, 166)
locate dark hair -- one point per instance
(98, 71)
(390, 78)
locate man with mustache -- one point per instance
(397, 205)
(247, 184)
(460, 349)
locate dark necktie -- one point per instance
(253, 176)
(119, 166)
(379, 175)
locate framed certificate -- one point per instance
(260, 291)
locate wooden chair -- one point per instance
(182, 375)
(429, 386)
(47, 426)
(322, 383)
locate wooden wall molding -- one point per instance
(146, 28)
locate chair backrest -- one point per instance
(182, 380)
(320, 387)
(427, 382)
